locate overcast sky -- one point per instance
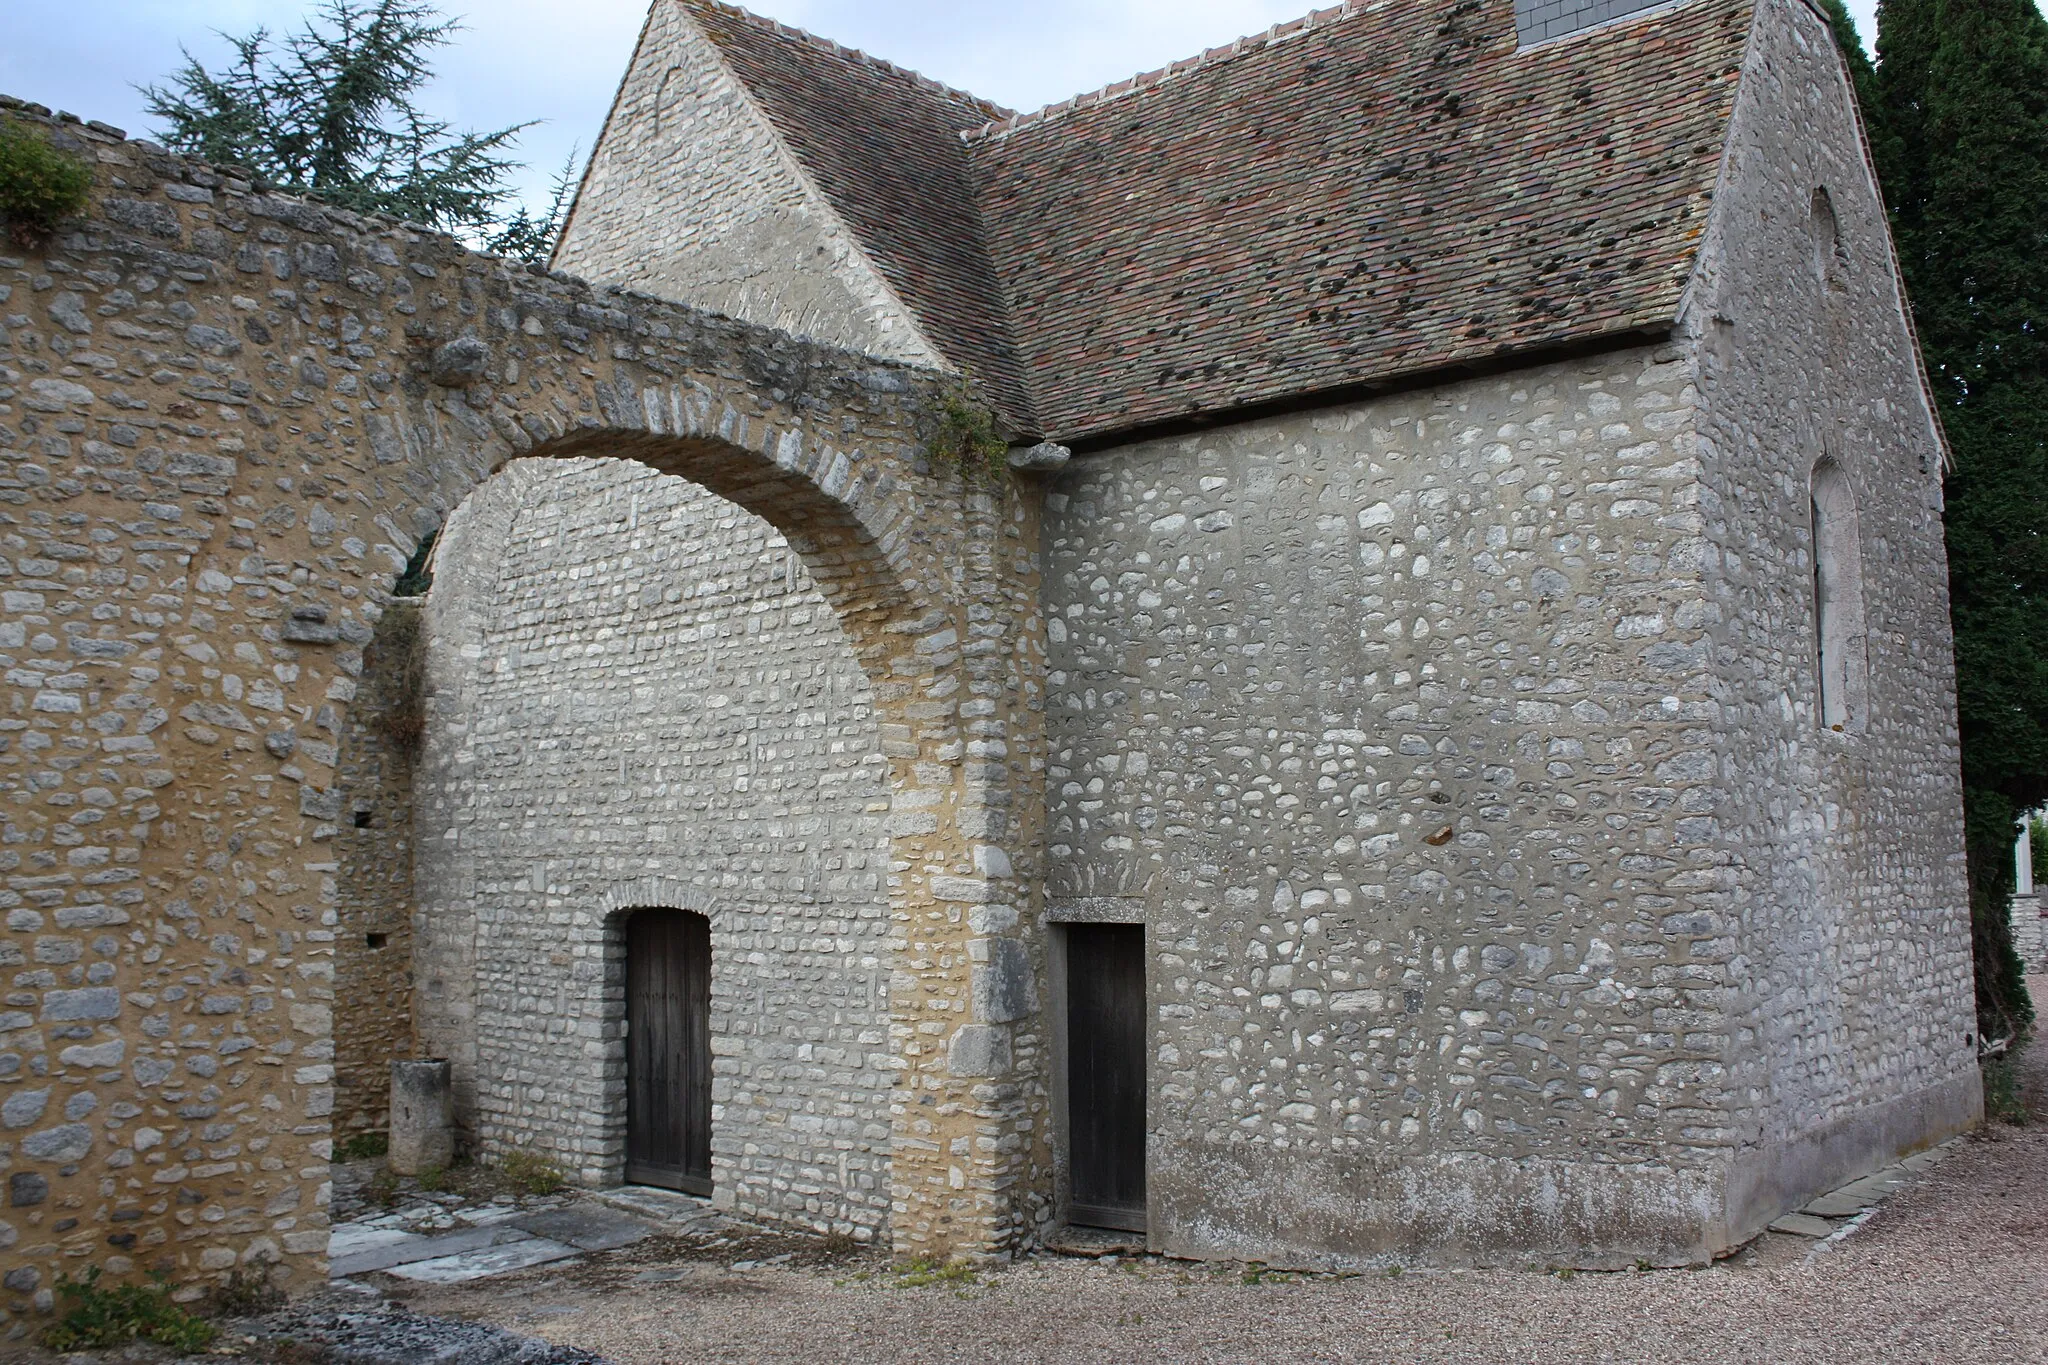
(560, 60)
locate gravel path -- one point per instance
(1953, 1269)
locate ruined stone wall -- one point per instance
(226, 418)
(690, 195)
(639, 698)
(373, 851)
(1845, 885)
(1388, 721)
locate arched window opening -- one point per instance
(1844, 665)
(1826, 231)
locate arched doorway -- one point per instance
(668, 1050)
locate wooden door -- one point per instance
(668, 1050)
(1106, 1075)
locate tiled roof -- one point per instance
(1371, 192)
(1378, 191)
(884, 146)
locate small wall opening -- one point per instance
(1825, 232)
(1843, 662)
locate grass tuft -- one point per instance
(245, 1293)
(529, 1173)
(922, 1272)
(362, 1147)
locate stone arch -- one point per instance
(280, 400)
(1841, 644)
(548, 661)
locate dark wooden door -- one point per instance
(668, 1050)
(1106, 1074)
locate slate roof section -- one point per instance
(884, 146)
(1374, 192)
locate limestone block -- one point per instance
(979, 1050)
(1003, 988)
(422, 1116)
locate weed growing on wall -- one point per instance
(40, 186)
(968, 440)
(96, 1318)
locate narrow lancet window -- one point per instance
(1838, 601)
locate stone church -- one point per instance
(1439, 745)
(1499, 786)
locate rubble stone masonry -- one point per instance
(226, 418)
(639, 698)
(1461, 753)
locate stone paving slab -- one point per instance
(586, 1227)
(1835, 1205)
(663, 1206)
(1804, 1225)
(415, 1247)
(497, 1260)
(350, 1239)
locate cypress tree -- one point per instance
(1961, 113)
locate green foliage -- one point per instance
(915, 1274)
(1960, 132)
(530, 239)
(969, 441)
(2003, 1099)
(98, 1318)
(530, 1173)
(383, 1188)
(328, 112)
(432, 1179)
(245, 1293)
(40, 186)
(362, 1147)
(419, 573)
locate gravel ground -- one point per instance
(1952, 1269)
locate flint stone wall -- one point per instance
(1843, 883)
(638, 697)
(1460, 752)
(1389, 722)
